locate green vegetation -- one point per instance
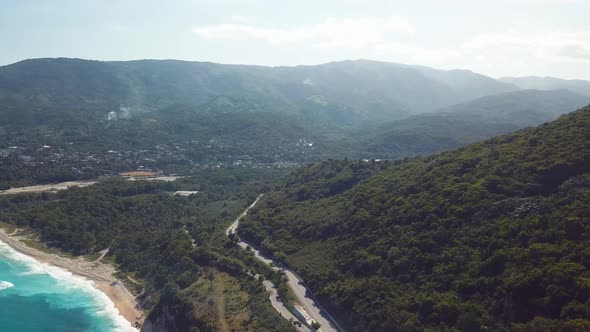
(8, 228)
(66, 119)
(470, 122)
(315, 325)
(175, 141)
(492, 235)
(345, 92)
(43, 248)
(71, 119)
(150, 234)
(495, 234)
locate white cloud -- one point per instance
(332, 33)
(495, 47)
(499, 53)
(552, 46)
(378, 36)
(243, 19)
(415, 54)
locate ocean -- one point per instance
(38, 297)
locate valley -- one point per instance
(395, 197)
(295, 166)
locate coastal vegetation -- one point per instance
(492, 235)
(175, 246)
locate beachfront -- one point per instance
(101, 275)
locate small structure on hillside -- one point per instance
(184, 193)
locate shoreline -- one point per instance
(100, 274)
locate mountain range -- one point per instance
(471, 121)
(227, 113)
(343, 91)
(549, 83)
(408, 198)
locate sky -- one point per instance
(496, 38)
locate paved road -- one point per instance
(270, 287)
(303, 295)
(279, 306)
(234, 227)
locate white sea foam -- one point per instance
(67, 282)
(5, 285)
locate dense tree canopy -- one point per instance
(495, 234)
(169, 244)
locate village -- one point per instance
(70, 161)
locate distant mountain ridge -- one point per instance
(549, 83)
(355, 109)
(419, 89)
(472, 121)
(341, 92)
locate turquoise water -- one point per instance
(38, 297)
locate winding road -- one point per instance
(303, 295)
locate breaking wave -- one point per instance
(5, 285)
(75, 291)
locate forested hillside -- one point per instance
(338, 92)
(469, 122)
(494, 235)
(75, 101)
(67, 119)
(173, 248)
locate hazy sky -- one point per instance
(496, 38)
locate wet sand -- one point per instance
(100, 273)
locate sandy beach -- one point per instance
(100, 273)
